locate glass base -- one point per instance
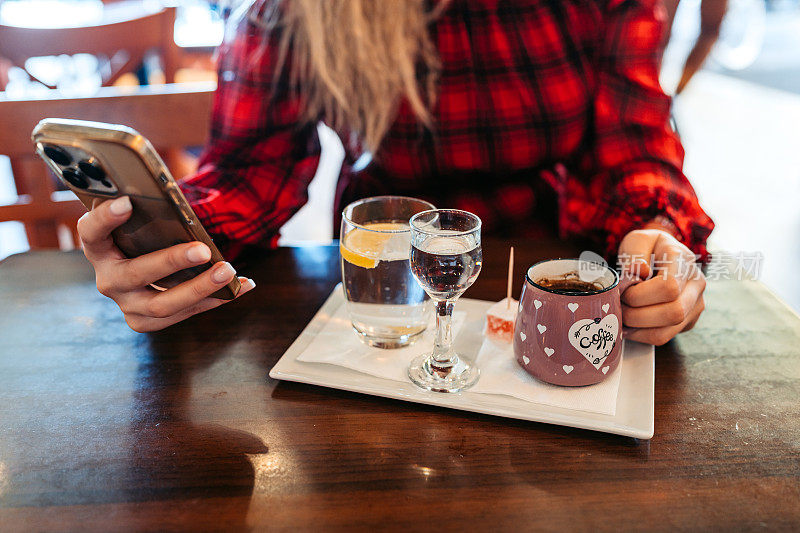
(388, 342)
(424, 372)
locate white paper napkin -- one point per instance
(337, 344)
(501, 374)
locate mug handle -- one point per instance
(626, 281)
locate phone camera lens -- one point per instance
(57, 154)
(76, 178)
(94, 171)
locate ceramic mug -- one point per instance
(570, 338)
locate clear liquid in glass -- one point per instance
(386, 304)
(446, 265)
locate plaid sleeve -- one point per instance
(254, 173)
(632, 169)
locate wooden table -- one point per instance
(105, 429)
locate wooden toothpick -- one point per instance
(510, 277)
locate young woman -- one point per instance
(542, 117)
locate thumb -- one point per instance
(636, 253)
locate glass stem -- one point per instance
(442, 352)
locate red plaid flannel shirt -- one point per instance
(549, 120)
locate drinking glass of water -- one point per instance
(387, 308)
(446, 259)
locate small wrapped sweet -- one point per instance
(500, 320)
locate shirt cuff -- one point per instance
(691, 227)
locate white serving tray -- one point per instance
(633, 417)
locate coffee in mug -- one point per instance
(569, 282)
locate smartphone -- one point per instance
(100, 162)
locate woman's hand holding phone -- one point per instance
(127, 281)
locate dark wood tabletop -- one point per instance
(105, 429)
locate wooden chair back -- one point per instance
(171, 116)
(126, 27)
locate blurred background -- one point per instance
(735, 65)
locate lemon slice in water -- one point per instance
(364, 248)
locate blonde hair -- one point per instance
(354, 60)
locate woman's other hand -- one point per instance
(671, 300)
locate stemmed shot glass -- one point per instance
(445, 259)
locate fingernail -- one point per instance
(223, 273)
(198, 253)
(120, 206)
(249, 284)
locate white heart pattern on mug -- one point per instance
(568, 368)
(541, 328)
(604, 370)
(573, 307)
(594, 338)
(537, 304)
(522, 336)
(605, 307)
(525, 359)
(549, 351)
